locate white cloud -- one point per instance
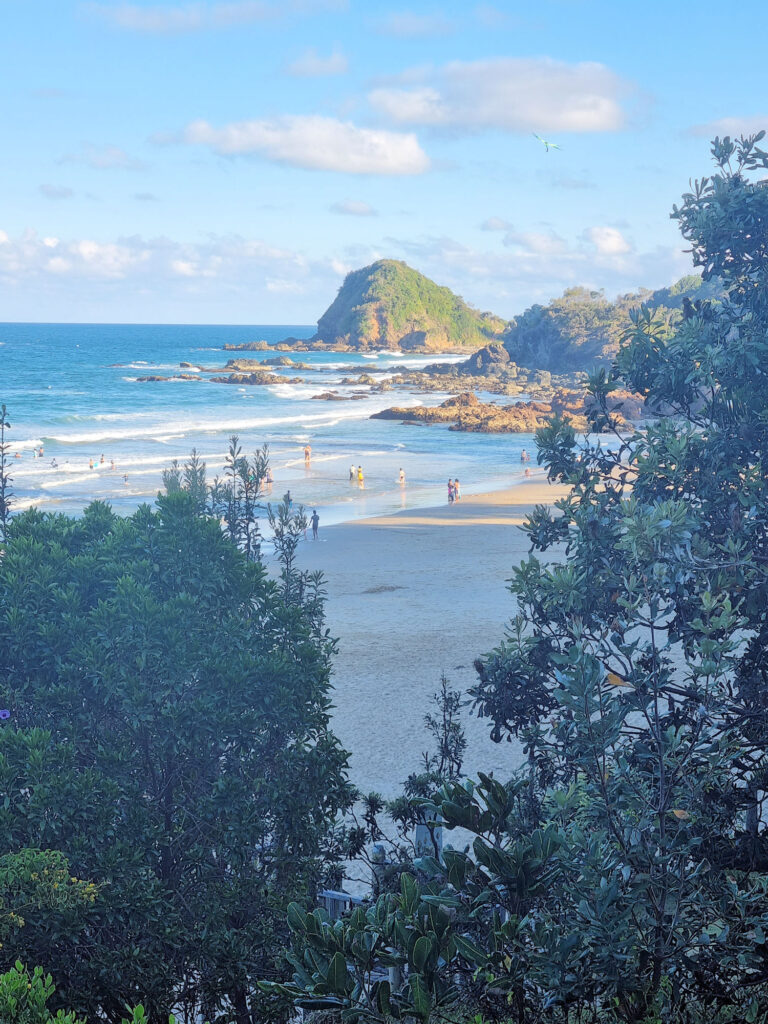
(495, 224)
(733, 126)
(193, 17)
(353, 208)
(104, 158)
(540, 243)
(608, 241)
(146, 197)
(56, 191)
(514, 94)
(410, 25)
(135, 258)
(311, 65)
(315, 143)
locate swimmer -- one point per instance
(101, 460)
(125, 479)
(112, 464)
(17, 455)
(54, 464)
(90, 463)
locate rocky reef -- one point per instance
(466, 412)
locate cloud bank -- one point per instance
(194, 17)
(512, 94)
(311, 65)
(315, 143)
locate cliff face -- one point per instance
(389, 305)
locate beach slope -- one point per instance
(410, 596)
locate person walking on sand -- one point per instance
(315, 520)
(450, 491)
(402, 477)
(456, 489)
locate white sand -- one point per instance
(410, 596)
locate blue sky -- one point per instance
(228, 161)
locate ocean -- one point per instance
(73, 389)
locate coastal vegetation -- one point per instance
(622, 874)
(166, 732)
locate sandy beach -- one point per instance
(410, 596)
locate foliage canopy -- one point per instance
(169, 735)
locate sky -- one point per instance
(229, 161)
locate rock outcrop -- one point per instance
(467, 413)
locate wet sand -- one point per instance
(410, 596)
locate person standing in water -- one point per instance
(315, 521)
(352, 472)
(360, 477)
(402, 477)
(456, 489)
(307, 454)
(450, 491)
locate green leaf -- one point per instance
(337, 976)
(421, 952)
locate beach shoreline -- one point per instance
(413, 595)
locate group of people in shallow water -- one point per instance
(454, 491)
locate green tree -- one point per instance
(170, 736)
(622, 875)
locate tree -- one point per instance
(622, 875)
(171, 737)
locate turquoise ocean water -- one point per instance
(72, 388)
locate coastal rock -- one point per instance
(492, 359)
(392, 306)
(465, 412)
(255, 379)
(285, 361)
(248, 346)
(176, 376)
